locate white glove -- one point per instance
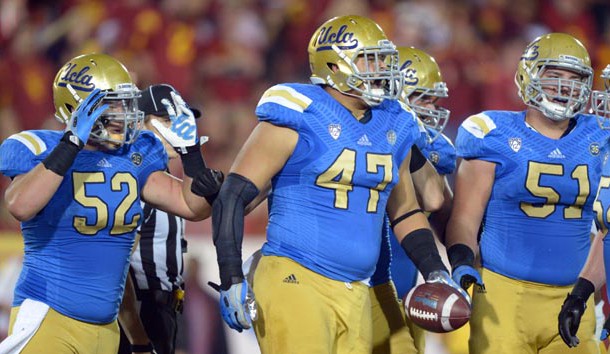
(182, 134)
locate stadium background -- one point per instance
(222, 54)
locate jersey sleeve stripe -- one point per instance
(287, 97)
(479, 125)
(31, 141)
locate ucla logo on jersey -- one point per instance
(515, 144)
(391, 136)
(136, 158)
(434, 157)
(78, 80)
(594, 149)
(334, 130)
(341, 38)
(531, 52)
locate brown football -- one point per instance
(437, 307)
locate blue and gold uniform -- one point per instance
(395, 265)
(321, 244)
(340, 169)
(77, 247)
(536, 233)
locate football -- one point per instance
(437, 307)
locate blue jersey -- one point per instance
(602, 208)
(328, 201)
(393, 262)
(77, 247)
(538, 219)
(441, 153)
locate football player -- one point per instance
(530, 177)
(423, 86)
(77, 194)
(337, 154)
(593, 274)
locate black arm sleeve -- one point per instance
(418, 160)
(228, 226)
(421, 248)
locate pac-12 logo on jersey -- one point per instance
(334, 130)
(515, 144)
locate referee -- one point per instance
(157, 263)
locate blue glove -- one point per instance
(182, 134)
(441, 276)
(237, 306)
(84, 116)
(466, 275)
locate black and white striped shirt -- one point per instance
(156, 264)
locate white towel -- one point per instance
(30, 316)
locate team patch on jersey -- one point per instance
(136, 158)
(287, 97)
(479, 125)
(594, 149)
(334, 130)
(434, 157)
(391, 136)
(515, 144)
(31, 141)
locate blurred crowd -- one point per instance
(222, 54)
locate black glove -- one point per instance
(207, 184)
(572, 310)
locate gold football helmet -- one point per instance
(556, 51)
(423, 85)
(121, 122)
(341, 42)
(600, 101)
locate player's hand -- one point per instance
(605, 330)
(441, 276)
(569, 319)
(182, 133)
(207, 184)
(237, 305)
(84, 116)
(466, 275)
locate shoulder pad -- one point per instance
(479, 125)
(283, 105)
(20, 152)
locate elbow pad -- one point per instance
(228, 226)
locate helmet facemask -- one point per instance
(600, 101)
(379, 78)
(434, 118)
(571, 96)
(121, 123)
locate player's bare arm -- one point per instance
(173, 195)
(265, 153)
(403, 201)
(429, 187)
(29, 193)
(473, 184)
